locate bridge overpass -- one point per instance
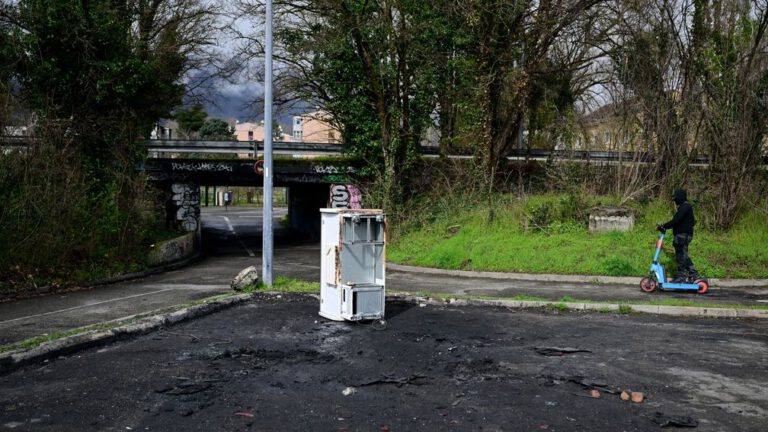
(180, 168)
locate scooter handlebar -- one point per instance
(660, 228)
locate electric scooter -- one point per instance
(657, 279)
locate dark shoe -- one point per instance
(678, 280)
(693, 275)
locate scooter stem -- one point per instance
(658, 249)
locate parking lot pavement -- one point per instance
(274, 364)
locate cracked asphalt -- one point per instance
(275, 364)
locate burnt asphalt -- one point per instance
(274, 364)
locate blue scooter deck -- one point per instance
(679, 286)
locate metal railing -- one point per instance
(256, 148)
(251, 148)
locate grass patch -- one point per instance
(286, 284)
(38, 340)
(444, 296)
(625, 309)
(522, 237)
(558, 306)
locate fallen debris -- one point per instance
(637, 397)
(624, 396)
(244, 414)
(582, 381)
(665, 420)
(348, 391)
(594, 393)
(188, 387)
(557, 352)
(415, 379)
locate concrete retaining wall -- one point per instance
(176, 249)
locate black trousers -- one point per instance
(685, 266)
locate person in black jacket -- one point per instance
(682, 228)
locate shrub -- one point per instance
(57, 221)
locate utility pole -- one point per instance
(267, 238)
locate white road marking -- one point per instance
(85, 306)
(190, 287)
(165, 287)
(232, 230)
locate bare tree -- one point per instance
(733, 76)
(698, 69)
(514, 42)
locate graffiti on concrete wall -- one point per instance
(172, 250)
(336, 178)
(330, 169)
(345, 196)
(186, 198)
(201, 166)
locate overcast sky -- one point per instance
(234, 98)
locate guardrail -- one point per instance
(252, 148)
(256, 148)
(593, 155)
(13, 143)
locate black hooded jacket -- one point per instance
(683, 221)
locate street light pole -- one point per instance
(267, 238)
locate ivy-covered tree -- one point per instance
(216, 130)
(6, 71)
(190, 120)
(367, 64)
(97, 74)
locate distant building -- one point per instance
(614, 126)
(16, 130)
(165, 130)
(249, 131)
(314, 127)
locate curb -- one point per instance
(730, 283)
(13, 360)
(690, 311)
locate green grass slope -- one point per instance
(549, 234)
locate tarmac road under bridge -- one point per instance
(310, 185)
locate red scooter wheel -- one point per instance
(703, 287)
(648, 285)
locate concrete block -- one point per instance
(603, 219)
